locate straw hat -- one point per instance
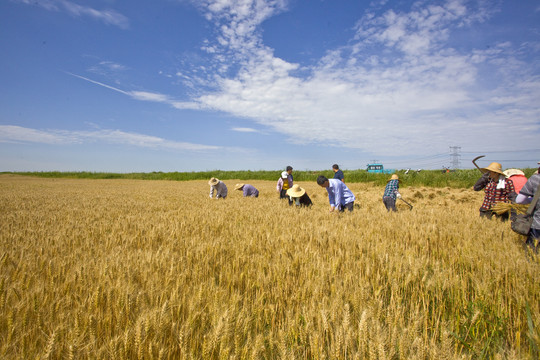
(296, 191)
(512, 172)
(394, 177)
(213, 181)
(238, 186)
(495, 167)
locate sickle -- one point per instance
(476, 158)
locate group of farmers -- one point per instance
(499, 187)
(339, 195)
(510, 186)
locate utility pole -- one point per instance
(455, 153)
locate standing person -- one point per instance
(299, 196)
(338, 174)
(518, 178)
(525, 196)
(248, 190)
(339, 195)
(497, 189)
(285, 183)
(391, 192)
(218, 186)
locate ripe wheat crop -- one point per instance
(128, 269)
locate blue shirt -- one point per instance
(250, 190)
(338, 193)
(338, 175)
(391, 189)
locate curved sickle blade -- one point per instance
(476, 158)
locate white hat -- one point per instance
(284, 175)
(512, 172)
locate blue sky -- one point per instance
(191, 85)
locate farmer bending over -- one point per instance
(339, 195)
(218, 186)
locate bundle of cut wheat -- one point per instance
(501, 208)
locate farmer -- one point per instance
(338, 174)
(249, 190)
(339, 195)
(391, 192)
(525, 196)
(497, 189)
(285, 183)
(518, 178)
(220, 188)
(299, 196)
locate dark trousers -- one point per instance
(283, 195)
(348, 206)
(533, 239)
(490, 214)
(389, 203)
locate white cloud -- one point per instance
(398, 82)
(244, 129)
(18, 134)
(109, 17)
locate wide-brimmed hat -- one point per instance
(512, 172)
(238, 186)
(394, 177)
(296, 191)
(495, 167)
(213, 181)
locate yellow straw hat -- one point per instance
(296, 191)
(213, 181)
(495, 167)
(394, 177)
(238, 186)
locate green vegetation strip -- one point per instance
(432, 178)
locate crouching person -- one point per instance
(298, 196)
(339, 195)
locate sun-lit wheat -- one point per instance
(132, 269)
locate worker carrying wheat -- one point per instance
(219, 187)
(497, 189)
(391, 192)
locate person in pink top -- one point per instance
(518, 178)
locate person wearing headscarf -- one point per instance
(285, 183)
(497, 189)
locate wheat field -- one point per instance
(130, 269)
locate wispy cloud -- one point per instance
(18, 134)
(109, 17)
(145, 95)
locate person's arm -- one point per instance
(211, 191)
(279, 185)
(482, 182)
(338, 195)
(523, 199)
(331, 197)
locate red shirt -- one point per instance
(494, 195)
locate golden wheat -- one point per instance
(155, 269)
